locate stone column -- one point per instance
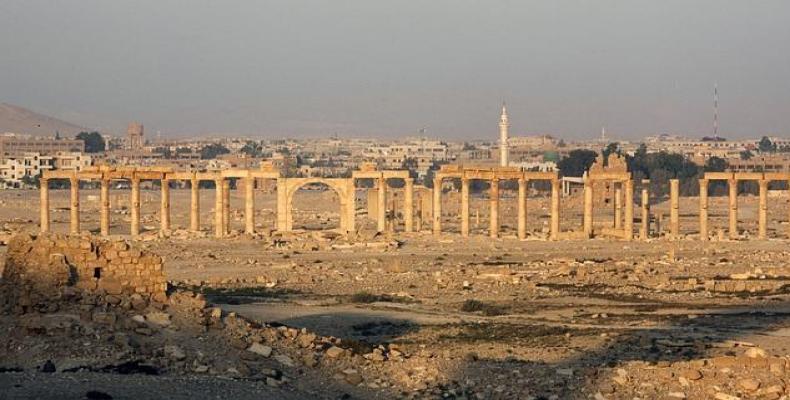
(644, 229)
(44, 216)
(351, 206)
(674, 210)
(618, 208)
(733, 188)
(219, 209)
(629, 210)
(464, 207)
(703, 209)
(135, 229)
(104, 214)
(226, 205)
(408, 205)
(74, 210)
(437, 206)
(381, 217)
(418, 214)
(762, 218)
(282, 205)
(493, 230)
(522, 208)
(164, 219)
(588, 207)
(249, 205)
(194, 212)
(555, 209)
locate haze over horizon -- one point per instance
(387, 69)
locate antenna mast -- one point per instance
(715, 110)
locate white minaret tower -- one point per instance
(504, 152)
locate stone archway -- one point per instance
(287, 188)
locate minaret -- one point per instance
(503, 138)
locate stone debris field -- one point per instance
(315, 313)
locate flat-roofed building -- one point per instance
(16, 146)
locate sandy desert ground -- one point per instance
(453, 317)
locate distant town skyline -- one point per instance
(385, 69)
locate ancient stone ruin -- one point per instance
(48, 267)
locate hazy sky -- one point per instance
(389, 68)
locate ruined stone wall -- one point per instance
(41, 269)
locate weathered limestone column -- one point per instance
(555, 209)
(629, 210)
(194, 212)
(351, 206)
(437, 206)
(104, 200)
(464, 207)
(74, 210)
(588, 207)
(493, 230)
(644, 229)
(408, 205)
(703, 209)
(164, 219)
(218, 209)
(249, 205)
(674, 210)
(733, 189)
(618, 208)
(381, 218)
(135, 230)
(763, 211)
(226, 205)
(44, 192)
(282, 204)
(522, 208)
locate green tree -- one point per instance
(251, 149)
(716, 164)
(94, 142)
(746, 155)
(577, 162)
(211, 151)
(164, 151)
(610, 148)
(766, 146)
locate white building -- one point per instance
(14, 170)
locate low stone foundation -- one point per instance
(44, 268)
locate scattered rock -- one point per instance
(260, 349)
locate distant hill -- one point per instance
(23, 121)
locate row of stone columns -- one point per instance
(627, 188)
(222, 207)
(732, 186)
(494, 222)
(377, 201)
